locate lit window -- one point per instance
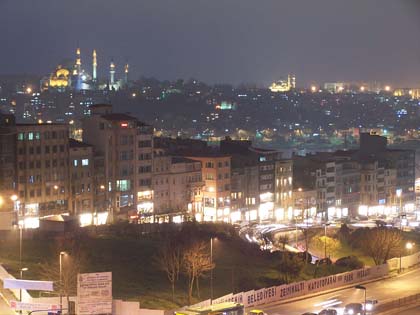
(30, 136)
(75, 162)
(21, 136)
(85, 162)
(123, 185)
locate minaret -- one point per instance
(78, 62)
(94, 65)
(126, 74)
(111, 73)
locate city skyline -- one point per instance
(236, 43)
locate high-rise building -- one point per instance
(82, 181)
(42, 161)
(8, 192)
(125, 143)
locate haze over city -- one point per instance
(237, 41)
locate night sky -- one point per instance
(229, 41)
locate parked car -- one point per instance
(353, 309)
(309, 313)
(328, 311)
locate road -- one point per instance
(413, 311)
(383, 291)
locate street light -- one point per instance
(20, 290)
(409, 246)
(360, 287)
(21, 277)
(399, 195)
(211, 270)
(61, 281)
(325, 239)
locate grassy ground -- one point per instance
(239, 266)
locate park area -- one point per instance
(135, 260)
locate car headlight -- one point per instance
(351, 312)
(369, 307)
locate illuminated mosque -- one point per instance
(284, 85)
(70, 75)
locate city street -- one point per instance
(413, 311)
(382, 291)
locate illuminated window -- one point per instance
(85, 162)
(21, 136)
(30, 136)
(123, 185)
(75, 162)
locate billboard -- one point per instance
(94, 293)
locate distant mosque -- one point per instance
(284, 85)
(70, 75)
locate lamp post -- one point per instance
(325, 239)
(360, 287)
(61, 280)
(398, 192)
(409, 246)
(20, 290)
(211, 271)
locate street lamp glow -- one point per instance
(313, 88)
(409, 246)
(362, 88)
(387, 88)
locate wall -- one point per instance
(297, 289)
(406, 262)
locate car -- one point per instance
(328, 311)
(353, 309)
(309, 313)
(256, 312)
(370, 304)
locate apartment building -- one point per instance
(177, 187)
(125, 144)
(42, 160)
(82, 181)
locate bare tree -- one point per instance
(283, 240)
(290, 266)
(381, 244)
(72, 263)
(320, 242)
(169, 260)
(195, 263)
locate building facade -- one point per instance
(126, 146)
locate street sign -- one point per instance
(94, 293)
(21, 306)
(28, 284)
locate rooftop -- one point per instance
(78, 144)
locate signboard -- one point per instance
(28, 284)
(21, 306)
(298, 289)
(94, 293)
